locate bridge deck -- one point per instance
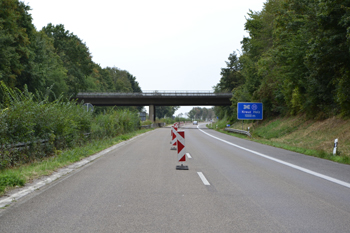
(160, 98)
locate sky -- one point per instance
(167, 45)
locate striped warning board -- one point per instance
(173, 140)
(181, 152)
(171, 134)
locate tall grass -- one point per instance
(33, 118)
(114, 122)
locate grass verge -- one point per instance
(19, 176)
(301, 135)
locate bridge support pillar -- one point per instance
(152, 113)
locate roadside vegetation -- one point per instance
(41, 71)
(299, 134)
(20, 175)
(295, 60)
(198, 113)
(167, 120)
(35, 131)
(52, 56)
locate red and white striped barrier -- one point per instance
(173, 138)
(171, 134)
(181, 152)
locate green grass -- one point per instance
(305, 136)
(277, 129)
(316, 153)
(19, 176)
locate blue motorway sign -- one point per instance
(249, 111)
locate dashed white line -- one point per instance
(188, 155)
(204, 180)
(283, 162)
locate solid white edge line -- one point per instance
(345, 184)
(61, 172)
(188, 155)
(204, 180)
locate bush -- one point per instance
(30, 120)
(114, 122)
(147, 122)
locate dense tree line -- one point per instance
(198, 113)
(295, 60)
(52, 57)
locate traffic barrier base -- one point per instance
(181, 167)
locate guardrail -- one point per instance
(238, 131)
(21, 145)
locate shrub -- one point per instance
(114, 122)
(30, 120)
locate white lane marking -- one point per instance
(188, 155)
(204, 180)
(345, 184)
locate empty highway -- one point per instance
(232, 185)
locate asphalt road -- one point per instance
(135, 188)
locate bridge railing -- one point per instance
(154, 93)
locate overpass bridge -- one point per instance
(156, 98)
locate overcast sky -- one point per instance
(166, 45)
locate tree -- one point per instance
(15, 33)
(165, 111)
(328, 58)
(47, 68)
(74, 54)
(27, 57)
(231, 76)
(198, 113)
(231, 79)
(51, 58)
(134, 84)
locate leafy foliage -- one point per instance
(52, 57)
(34, 119)
(165, 111)
(295, 60)
(198, 113)
(231, 81)
(74, 54)
(15, 33)
(115, 122)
